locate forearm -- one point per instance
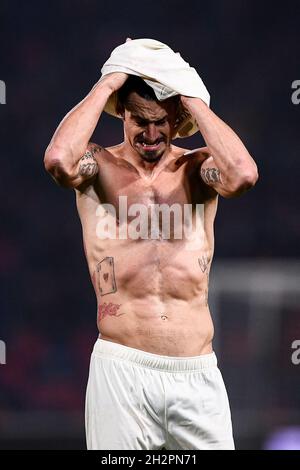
(229, 153)
(70, 140)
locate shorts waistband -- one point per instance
(106, 348)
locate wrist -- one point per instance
(190, 102)
(104, 87)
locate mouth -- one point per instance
(150, 146)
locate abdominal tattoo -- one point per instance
(88, 163)
(108, 309)
(204, 266)
(106, 284)
(106, 276)
(203, 263)
(211, 175)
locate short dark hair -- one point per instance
(138, 85)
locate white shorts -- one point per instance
(138, 400)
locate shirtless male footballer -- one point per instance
(154, 381)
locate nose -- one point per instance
(151, 132)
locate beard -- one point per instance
(151, 155)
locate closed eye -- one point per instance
(161, 122)
(143, 122)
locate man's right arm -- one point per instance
(70, 158)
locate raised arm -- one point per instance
(70, 158)
(228, 168)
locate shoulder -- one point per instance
(94, 149)
(194, 157)
(103, 155)
(112, 154)
(200, 154)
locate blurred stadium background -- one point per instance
(51, 54)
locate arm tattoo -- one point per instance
(211, 175)
(88, 163)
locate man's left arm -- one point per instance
(228, 168)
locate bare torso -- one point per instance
(151, 293)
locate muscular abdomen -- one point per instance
(152, 294)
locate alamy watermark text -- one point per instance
(2, 92)
(2, 352)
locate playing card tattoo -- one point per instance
(106, 276)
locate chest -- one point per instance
(180, 186)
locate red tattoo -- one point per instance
(110, 309)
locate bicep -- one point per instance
(212, 176)
(86, 168)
